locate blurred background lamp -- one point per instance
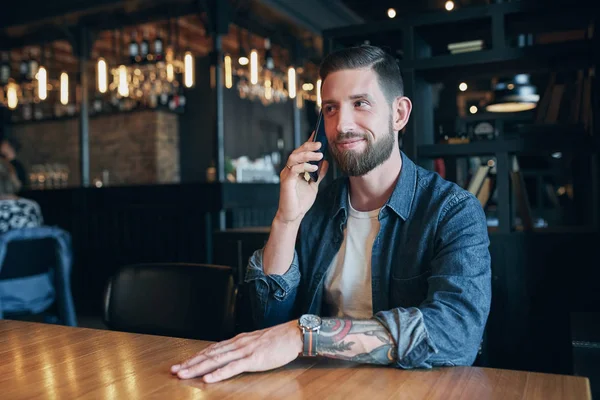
(513, 95)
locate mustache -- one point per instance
(341, 136)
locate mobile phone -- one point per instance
(320, 136)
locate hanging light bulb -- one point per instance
(449, 5)
(102, 73)
(292, 82)
(42, 78)
(254, 67)
(228, 73)
(170, 72)
(319, 101)
(11, 96)
(123, 88)
(64, 88)
(188, 61)
(243, 60)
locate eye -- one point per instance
(328, 109)
(360, 103)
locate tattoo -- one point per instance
(363, 341)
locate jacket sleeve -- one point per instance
(446, 329)
(272, 297)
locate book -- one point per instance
(554, 106)
(542, 107)
(520, 191)
(478, 179)
(485, 193)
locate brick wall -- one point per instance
(140, 147)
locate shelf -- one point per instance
(490, 116)
(569, 55)
(533, 145)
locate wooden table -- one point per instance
(57, 362)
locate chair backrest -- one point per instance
(28, 257)
(172, 299)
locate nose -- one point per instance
(345, 120)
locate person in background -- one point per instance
(9, 149)
(15, 212)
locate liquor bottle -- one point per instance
(38, 111)
(134, 49)
(32, 66)
(182, 99)
(27, 111)
(145, 48)
(269, 60)
(23, 69)
(159, 49)
(98, 104)
(164, 94)
(4, 68)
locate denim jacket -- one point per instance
(430, 267)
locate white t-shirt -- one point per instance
(348, 288)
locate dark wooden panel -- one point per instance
(114, 226)
(538, 279)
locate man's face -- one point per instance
(358, 121)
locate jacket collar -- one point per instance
(400, 202)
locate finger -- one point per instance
(304, 167)
(323, 171)
(201, 356)
(212, 363)
(303, 157)
(307, 146)
(232, 369)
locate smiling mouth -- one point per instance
(346, 142)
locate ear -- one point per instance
(401, 109)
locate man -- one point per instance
(8, 150)
(394, 258)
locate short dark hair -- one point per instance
(364, 57)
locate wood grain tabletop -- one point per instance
(42, 361)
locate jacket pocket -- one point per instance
(409, 292)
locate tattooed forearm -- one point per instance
(364, 341)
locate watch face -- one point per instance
(310, 321)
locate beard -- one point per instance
(359, 163)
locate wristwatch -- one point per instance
(310, 325)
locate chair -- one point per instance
(195, 301)
(585, 342)
(35, 270)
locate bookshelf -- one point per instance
(421, 41)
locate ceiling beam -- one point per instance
(315, 15)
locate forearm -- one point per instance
(279, 251)
(364, 341)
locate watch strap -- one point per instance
(310, 342)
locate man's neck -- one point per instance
(371, 191)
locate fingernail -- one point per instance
(183, 373)
(175, 367)
(207, 378)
